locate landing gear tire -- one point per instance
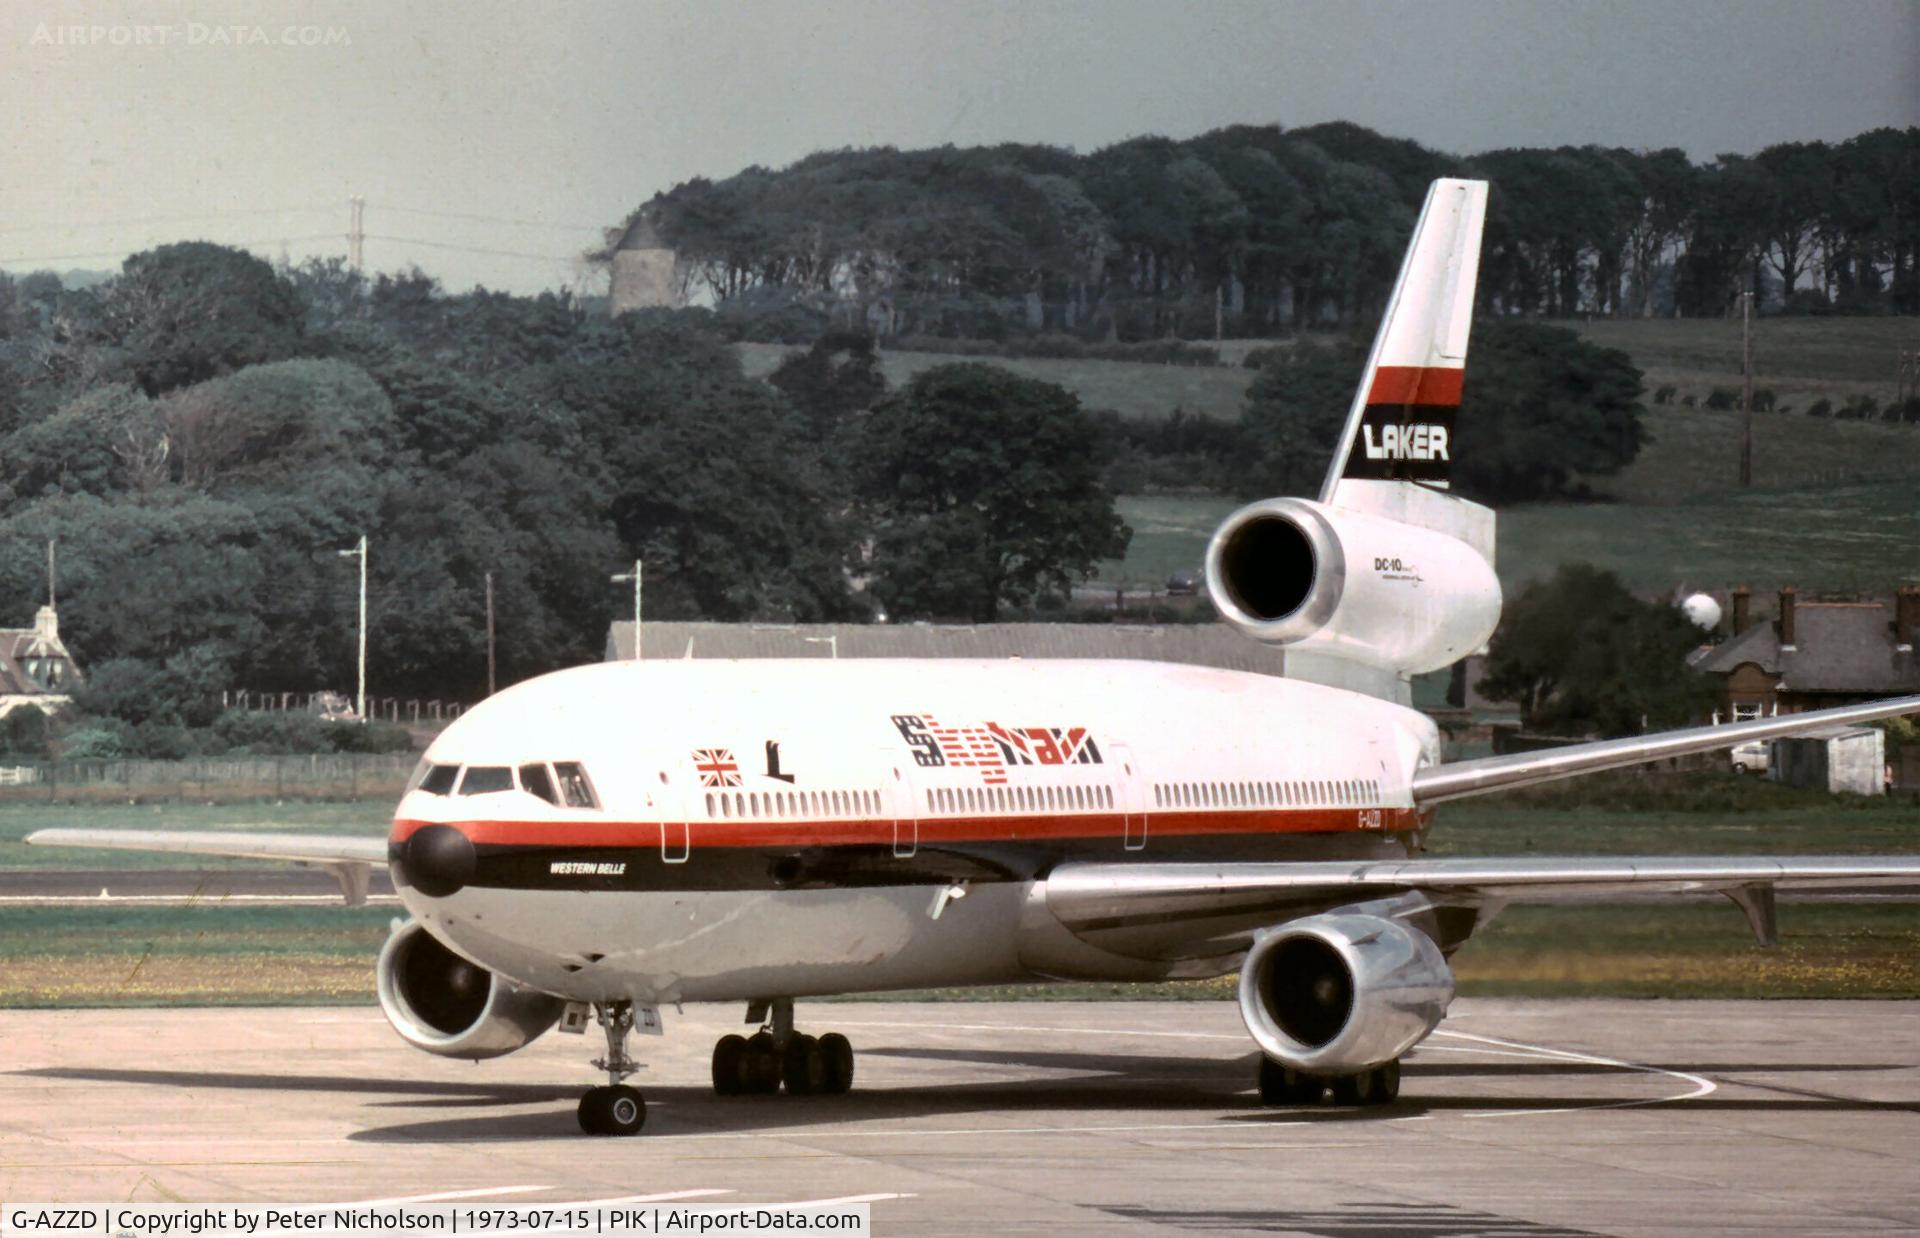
(1283, 1085)
(730, 1074)
(1354, 1090)
(837, 1053)
(615, 1110)
(803, 1067)
(763, 1065)
(1378, 1086)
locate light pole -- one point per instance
(621, 579)
(360, 552)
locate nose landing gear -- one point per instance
(758, 1065)
(615, 1109)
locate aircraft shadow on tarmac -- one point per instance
(1106, 1084)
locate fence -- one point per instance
(412, 711)
(342, 776)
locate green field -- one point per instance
(228, 955)
(1841, 537)
(1129, 388)
(370, 817)
(1802, 359)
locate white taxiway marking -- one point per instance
(440, 1195)
(849, 1199)
(1016, 1027)
(1491, 1045)
(659, 1198)
(202, 900)
(1701, 1086)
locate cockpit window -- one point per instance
(439, 779)
(486, 779)
(535, 780)
(575, 790)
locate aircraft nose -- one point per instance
(437, 860)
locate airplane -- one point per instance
(596, 843)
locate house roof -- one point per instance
(19, 644)
(1838, 647)
(1206, 644)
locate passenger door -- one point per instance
(1132, 797)
(900, 800)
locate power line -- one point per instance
(142, 221)
(123, 252)
(491, 219)
(473, 249)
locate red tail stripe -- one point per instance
(1416, 384)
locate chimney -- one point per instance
(1906, 615)
(1786, 617)
(1742, 609)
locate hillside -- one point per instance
(1844, 538)
(1130, 388)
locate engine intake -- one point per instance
(1352, 584)
(447, 1005)
(1343, 992)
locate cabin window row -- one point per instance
(746, 805)
(1021, 799)
(1340, 792)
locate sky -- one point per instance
(493, 141)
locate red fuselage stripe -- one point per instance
(932, 830)
(1416, 384)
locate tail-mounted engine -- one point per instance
(440, 1002)
(1340, 993)
(1352, 585)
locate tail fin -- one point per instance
(1400, 432)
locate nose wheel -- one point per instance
(615, 1109)
(777, 1056)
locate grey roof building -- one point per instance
(1203, 644)
(1815, 654)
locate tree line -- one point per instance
(204, 433)
(1259, 230)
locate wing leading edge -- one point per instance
(350, 860)
(1459, 779)
(1092, 898)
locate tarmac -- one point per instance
(1520, 1117)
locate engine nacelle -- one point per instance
(1340, 993)
(440, 1002)
(1352, 585)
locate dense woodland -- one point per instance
(203, 433)
(1277, 229)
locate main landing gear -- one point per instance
(615, 1109)
(1283, 1085)
(776, 1054)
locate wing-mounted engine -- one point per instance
(444, 1004)
(1352, 585)
(1343, 992)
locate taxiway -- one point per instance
(1520, 1117)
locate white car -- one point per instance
(1752, 758)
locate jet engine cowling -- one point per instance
(1340, 993)
(444, 1004)
(1352, 584)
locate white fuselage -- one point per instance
(758, 828)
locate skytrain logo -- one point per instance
(992, 748)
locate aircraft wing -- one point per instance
(351, 860)
(1458, 779)
(1223, 902)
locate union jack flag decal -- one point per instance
(717, 767)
